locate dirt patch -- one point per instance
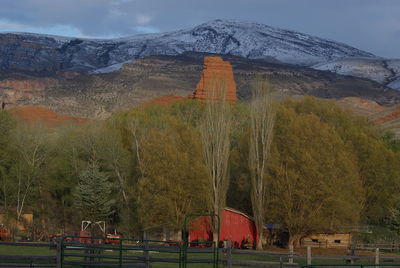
(165, 100)
(43, 115)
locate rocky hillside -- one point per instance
(385, 118)
(48, 55)
(99, 95)
(384, 71)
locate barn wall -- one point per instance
(235, 226)
(200, 230)
(340, 240)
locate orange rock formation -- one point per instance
(43, 115)
(217, 75)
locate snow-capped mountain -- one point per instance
(49, 54)
(384, 71)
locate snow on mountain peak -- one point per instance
(245, 39)
(384, 71)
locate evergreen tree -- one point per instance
(93, 194)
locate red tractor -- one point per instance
(113, 239)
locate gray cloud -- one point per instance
(366, 24)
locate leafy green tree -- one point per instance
(315, 184)
(175, 182)
(64, 166)
(239, 196)
(188, 112)
(7, 124)
(379, 166)
(391, 141)
(393, 218)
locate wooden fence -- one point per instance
(155, 254)
(384, 247)
(131, 253)
(293, 259)
(26, 260)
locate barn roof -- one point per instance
(239, 212)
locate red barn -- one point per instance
(236, 226)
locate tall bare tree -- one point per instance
(134, 130)
(31, 153)
(215, 129)
(262, 120)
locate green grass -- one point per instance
(45, 251)
(25, 250)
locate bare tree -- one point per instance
(215, 130)
(30, 145)
(134, 130)
(262, 120)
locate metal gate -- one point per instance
(208, 249)
(78, 251)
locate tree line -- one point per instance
(306, 164)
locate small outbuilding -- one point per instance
(236, 226)
(25, 222)
(327, 240)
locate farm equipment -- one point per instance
(5, 235)
(85, 235)
(113, 239)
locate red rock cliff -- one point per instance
(16, 89)
(217, 75)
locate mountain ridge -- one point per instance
(47, 54)
(383, 71)
(100, 95)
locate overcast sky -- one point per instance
(371, 25)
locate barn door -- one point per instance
(199, 251)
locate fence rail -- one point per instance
(350, 265)
(145, 254)
(388, 247)
(25, 260)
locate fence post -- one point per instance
(227, 254)
(377, 257)
(290, 254)
(59, 252)
(353, 253)
(146, 253)
(120, 253)
(308, 255)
